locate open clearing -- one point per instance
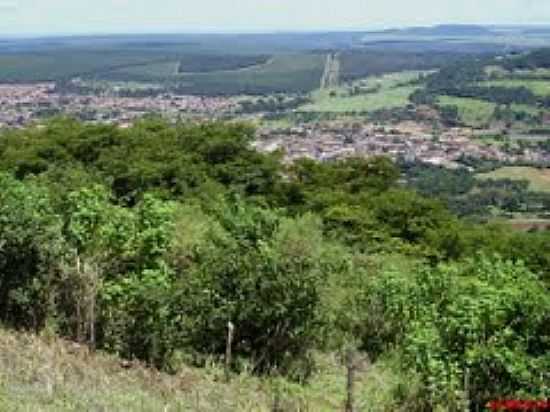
(539, 87)
(374, 93)
(472, 112)
(539, 179)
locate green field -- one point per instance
(383, 92)
(283, 73)
(539, 179)
(472, 112)
(196, 64)
(286, 73)
(539, 87)
(152, 70)
(68, 63)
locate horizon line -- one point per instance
(242, 31)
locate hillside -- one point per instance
(41, 374)
(444, 30)
(46, 374)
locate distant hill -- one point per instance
(441, 30)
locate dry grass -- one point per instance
(539, 179)
(38, 374)
(41, 374)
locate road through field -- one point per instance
(331, 75)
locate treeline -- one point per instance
(273, 104)
(474, 198)
(529, 61)
(202, 63)
(147, 241)
(360, 64)
(464, 78)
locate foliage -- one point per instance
(484, 322)
(147, 241)
(31, 246)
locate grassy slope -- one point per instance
(539, 178)
(539, 87)
(390, 95)
(472, 112)
(50, 375)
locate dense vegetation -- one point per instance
(472, 197)
(479, 91)
(147, 241)
(360, 64)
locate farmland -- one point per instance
(283, 73)
(539, 87)
(539, 179)
(371, 94)
(472, 112)
(230, 64)
(360, 64)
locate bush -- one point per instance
(31, 246)
(264, 279)
(484, 321)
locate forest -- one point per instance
(145, 242)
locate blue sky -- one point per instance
(111, 16)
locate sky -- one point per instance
(21, 17)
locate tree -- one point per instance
(31, 253)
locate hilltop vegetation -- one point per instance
(145, 242)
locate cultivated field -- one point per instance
(472, 112)
(368, 95)
(283, 73)
(539, 179)
(539, 87)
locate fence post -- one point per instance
(350, 366)
(467, 390)
(228, 350)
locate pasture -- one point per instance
(538, 87)
(539, 179)
(368, 95)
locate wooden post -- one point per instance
(277, 401)
(467, 390)
(350, 365)
(228, 350)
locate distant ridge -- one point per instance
(441, 30)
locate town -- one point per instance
(21, 104)
(408, 141)
(411, 141)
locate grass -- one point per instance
(472, 112)
(539, 179)
(532, 110)
(539, 87)
(153, 70)
(41, 374)
(387, 91)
